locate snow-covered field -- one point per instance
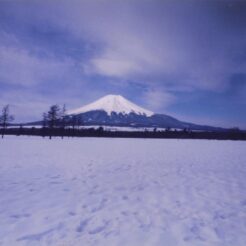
(122, 192)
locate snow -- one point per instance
(112, 103)
(118, 192)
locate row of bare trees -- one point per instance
(55, 117)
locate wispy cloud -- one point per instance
(18, 66)
(158, 99)
(162, 39)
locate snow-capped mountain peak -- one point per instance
(112, 103)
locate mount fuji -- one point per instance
(113, 104)
(115, 110)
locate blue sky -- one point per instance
(183, 58)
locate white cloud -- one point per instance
(112, 67)
(158, 100)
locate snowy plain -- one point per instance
(122, 192)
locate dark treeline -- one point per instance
(99, 132)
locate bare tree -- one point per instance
(52, 117)
(63, 119)
(5, 119)
(44, 122)
(63, 116)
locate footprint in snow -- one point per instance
(55, 177)
(82, 225)
(125, 197)
(19, 216)
(72, 213)
(99, 228)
